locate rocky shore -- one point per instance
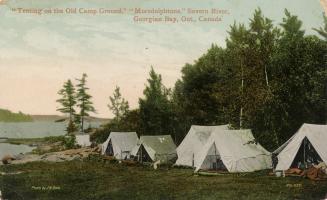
(59, 156)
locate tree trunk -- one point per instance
(82, 123)
(242, 85)
(70, 114)
(266, 74)
(82, 115)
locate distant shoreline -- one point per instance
(3, 139)
(22, 141)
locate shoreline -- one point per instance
(58, 156)
(33, 142)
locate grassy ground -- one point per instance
(97, 180)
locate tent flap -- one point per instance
(122, 144)
(159, 147)
(193, 142)
(316, 134)
(236, 150)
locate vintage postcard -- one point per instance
(163, 99)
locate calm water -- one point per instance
(36, 129)
(11, 149)
(30, 130)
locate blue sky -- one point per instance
(39, 52)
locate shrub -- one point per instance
(100, 135)
(70, 142)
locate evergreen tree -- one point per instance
(323, 30)
(118, 105)
(299, 83)
(67, 102)
(155, 107)
(269, 79)
(83, 100)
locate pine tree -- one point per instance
(118, 105)
(323, 30)
(83, 100)
(155, 107)
(68, 102)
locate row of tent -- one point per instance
(218, 147)
(127, 145)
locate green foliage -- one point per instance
(84, 102)
(252, 49)
(8, 116)
(129, 123)
(100, 135)
(292, 26)
(70, 142)
(77, 119)
(200, 83)
(198, 98)
(323, 30)
(52, 143)
(297, 86)
(269, 79)
(71, 128)
(54, 139)
(67, 102)
(118, 105)
(155, 107)
(155, 115)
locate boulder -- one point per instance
(7, 159)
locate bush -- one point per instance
(54, 139)
(129, 123)
(100, 135)
(70, 142)
(71, 128)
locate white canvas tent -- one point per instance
(158, 147)
(83, 140)
(235, 149)
(315, 134)
(120, 144)
(193, 143)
